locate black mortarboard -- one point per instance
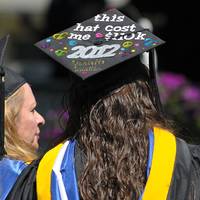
(101, 43)
(10, 81)
(13, 81)
(98, 43)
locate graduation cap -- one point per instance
(9, 83)
(104, 42)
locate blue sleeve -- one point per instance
(9, 172)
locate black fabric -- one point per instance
(87, 92)
(25, 186)
(13, 82)
(185, 184)
(112, 78)
(180, 184)
(186, 177)
(195, 176)
(80, 161)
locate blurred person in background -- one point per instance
(19, 145)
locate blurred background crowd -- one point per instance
(28, 22)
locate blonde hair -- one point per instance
(15, 147)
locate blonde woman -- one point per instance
(22, 130)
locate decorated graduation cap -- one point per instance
(9, 83)
(102, 44)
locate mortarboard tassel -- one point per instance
(153, 82)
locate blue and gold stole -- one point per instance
(56, 175)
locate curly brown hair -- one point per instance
(113, 133)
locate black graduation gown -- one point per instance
(185, 184)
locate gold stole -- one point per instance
(163, 161)
(43, 176)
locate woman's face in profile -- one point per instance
(29, 119)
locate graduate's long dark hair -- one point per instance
(111, 126)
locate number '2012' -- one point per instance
(94, 51)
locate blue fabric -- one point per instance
(55, 193)
(68, 172)
(9, 171)
(150, 155)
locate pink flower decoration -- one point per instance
(172, 81)
(191, 94)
